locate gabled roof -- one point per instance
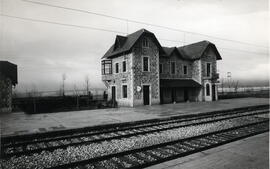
(168, 51)
(196, 50)
(127, 42)
(119, 42)
(9, 70)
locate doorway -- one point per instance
(113, 94)
(185, 95)
(213, 92)
(146, 98)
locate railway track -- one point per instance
(29, 146)
(147, 156)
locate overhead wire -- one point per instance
(141, 22)
(100, 29)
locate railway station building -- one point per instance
(8, 78)
(137, 70)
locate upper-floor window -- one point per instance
(208, 69)
(117, 68)
(160, 68)
(106, 67)
(145, 64)
(124, 91)
(145, 43)
(172, 67)
(124, 66)
(185, 70)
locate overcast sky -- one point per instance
(43, 51)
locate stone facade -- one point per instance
(136, 79)
(209, 57)
(150, 77)
(5, 94)
(134, 76)
(119, 79)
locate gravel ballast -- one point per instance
(82, 152)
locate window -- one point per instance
(117, 68)
(145, 64)
(124, 91)
(124, 64)
(208, 69)
(207, 90)
(172, 67)
(145, 43)
(106, 67)
(160, 68)
(185, 70)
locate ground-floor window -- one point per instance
(207, 90)
(124, 91)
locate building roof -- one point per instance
(196, 50)
(124, 44)
(9, 70)
(168, 51)
(179, 83)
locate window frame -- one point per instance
(145, 43)
(103, 67)
(210, 69)
(171, 63)
(116, 68)
(124, 70)
(148, 64)
(122, 90)
(185, 66)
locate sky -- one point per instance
(44, 51)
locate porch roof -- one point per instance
(179, 83)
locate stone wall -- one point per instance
(5, 94)
(121, 78)
(146, 78)
(209, 57)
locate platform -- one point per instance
(249, 153)
(22, 123)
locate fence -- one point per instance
(228, 93)
(53, 101)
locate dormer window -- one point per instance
(145, 43)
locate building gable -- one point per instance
(127, 43)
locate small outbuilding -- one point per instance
(8, 79)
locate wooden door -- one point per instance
(146, 98)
